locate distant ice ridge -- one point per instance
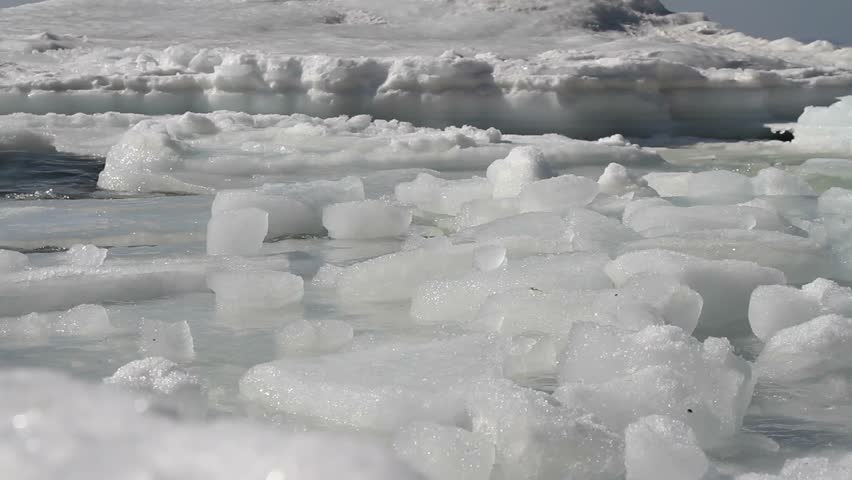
(585, 68)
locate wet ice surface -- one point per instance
(269, 246)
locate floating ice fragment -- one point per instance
(662, 448)
(367, 219)
(164, 339)
(776, 307)
(557, 194)
(443, 452)
(293, 208)
(523, 165)
(255, 289)
(446, 197)
(155, 374)
(82, 321)
(237, 232)
(86, 255)
(622, 376)
(458, 299)
(814, 351)
(312, 337)
(396, 276)
(489, 257)
(724, 285)
(383, 387)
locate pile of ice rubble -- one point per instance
(616, 294)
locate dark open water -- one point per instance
(26, 175)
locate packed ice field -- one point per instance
(482, 239)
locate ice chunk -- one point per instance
(835, 201)
(808, 468)
(622, 376)
(643, 301)
(814, 350)
(535, 232)
(255, 289)
(592, 232)
(320, 336)
(669, 184)
(482, 211)
(617, 180)
(164, 339)
(446, 197)
(327, 275)
(127, 279)
(489, 257)
(801, 259)
(776, 307)
(11, 261)
(394, 277)
(365, 220)
(86, 255)
(440, 452)
(662, 448)
(522, 166)
(458, 299)
(724, 285)
(293, 208)
(82, 321)
(575, 229)
(557, 193)
(384, 387)
(719, 186)
(155, 374)
(837, 168)
(536, 437)
(774, 182)
(114, 435)
(657, 217)
(825, 129)
(237, 232)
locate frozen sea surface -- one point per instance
(493, 240)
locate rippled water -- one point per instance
(25, 175)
